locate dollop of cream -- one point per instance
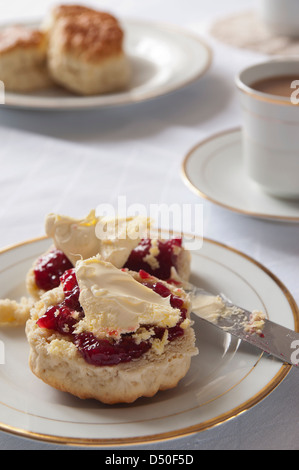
(115, 303)
(112, 238)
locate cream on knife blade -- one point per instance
(252, 327)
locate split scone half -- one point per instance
(76, 239)
(86, 54)
(23, 59)
(111, 334)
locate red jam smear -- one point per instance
(176, 302)
(166, 258)
(49, 268)
(64, 317)
(103, 353)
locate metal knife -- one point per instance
(273, 339)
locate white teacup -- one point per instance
(271, 128)
(280, 16)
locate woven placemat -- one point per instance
(246, 31)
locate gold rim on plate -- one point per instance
(180, 433)
(204, 195)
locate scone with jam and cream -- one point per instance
(76, 239)
(111, 334)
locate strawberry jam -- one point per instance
(52, 265)
(167, 257)
(49, 268)
(60, 319)
(101, 352)
(175, 302)
(64, 317)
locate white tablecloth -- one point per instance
(44, 155)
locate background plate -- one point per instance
(163, 59)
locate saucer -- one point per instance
(213, 170)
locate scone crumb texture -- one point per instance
(62, 348)
(15, 313)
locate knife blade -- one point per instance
(272, 338)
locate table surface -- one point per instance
(43, 155)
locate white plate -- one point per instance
(213, 170)
(225, 379)
(163, 59)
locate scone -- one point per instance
(64, 11)
(23, 59)
(110, 334)
(75, 239)
(86, 53)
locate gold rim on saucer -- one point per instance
(204, 195)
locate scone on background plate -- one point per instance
(86, 54)
(64, 11)
(23, 59)
(111, 334)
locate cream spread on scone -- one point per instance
(115, 303)
(113, 239)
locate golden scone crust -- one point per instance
(56, 360)
(89, 33)
(85, 52)
(91, 36)
(68, 11)
(62, 11)
(15, 37)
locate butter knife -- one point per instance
(272, 338)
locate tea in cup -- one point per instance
(269, 95)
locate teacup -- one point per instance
(281, 17)
(269, 96)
